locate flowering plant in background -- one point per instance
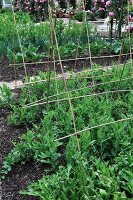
(103, 7)
(111, 14)
(130, 18)
(100, 7)
(120, 9)
(38, 8)
(111, 9)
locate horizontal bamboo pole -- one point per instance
(71, 59)
(94, 127)
(72, 74)
(76, 90)
(79, 97)
(68, 77)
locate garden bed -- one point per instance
(66, 136)
(103, 118)
(21, 175)
(72, 42)
(8, 73)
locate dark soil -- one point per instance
(8, 134)
(19, 178)
(21, 175)
(10, 73)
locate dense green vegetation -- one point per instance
(102, 169)
(23, 37)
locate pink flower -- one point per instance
(102, 1)
(95, 2)
(108, 3)
(100, 9)
(111, 14)
(130, 19)
(43, 1)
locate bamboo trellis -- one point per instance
(91, 70)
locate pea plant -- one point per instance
(72, 39)
(102, 167)
(6, 96)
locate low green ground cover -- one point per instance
(103, 168)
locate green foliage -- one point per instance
(29, 54)
(40, 147)
(6, 96)
(35, 39)
(20, 116)
(103, 167)
(86, 107)
(82, 181)
(79, 16)
(86, 176)
(63, 4)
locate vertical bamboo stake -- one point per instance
(49, 73)
(14, 66)
(111, 28)
(21, 48)
(129, 32)
(120, 18)
(50, 57)
(53, 58)
(71, 108)
(130, 50)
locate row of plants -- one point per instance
(35, 39)
(102, 168)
